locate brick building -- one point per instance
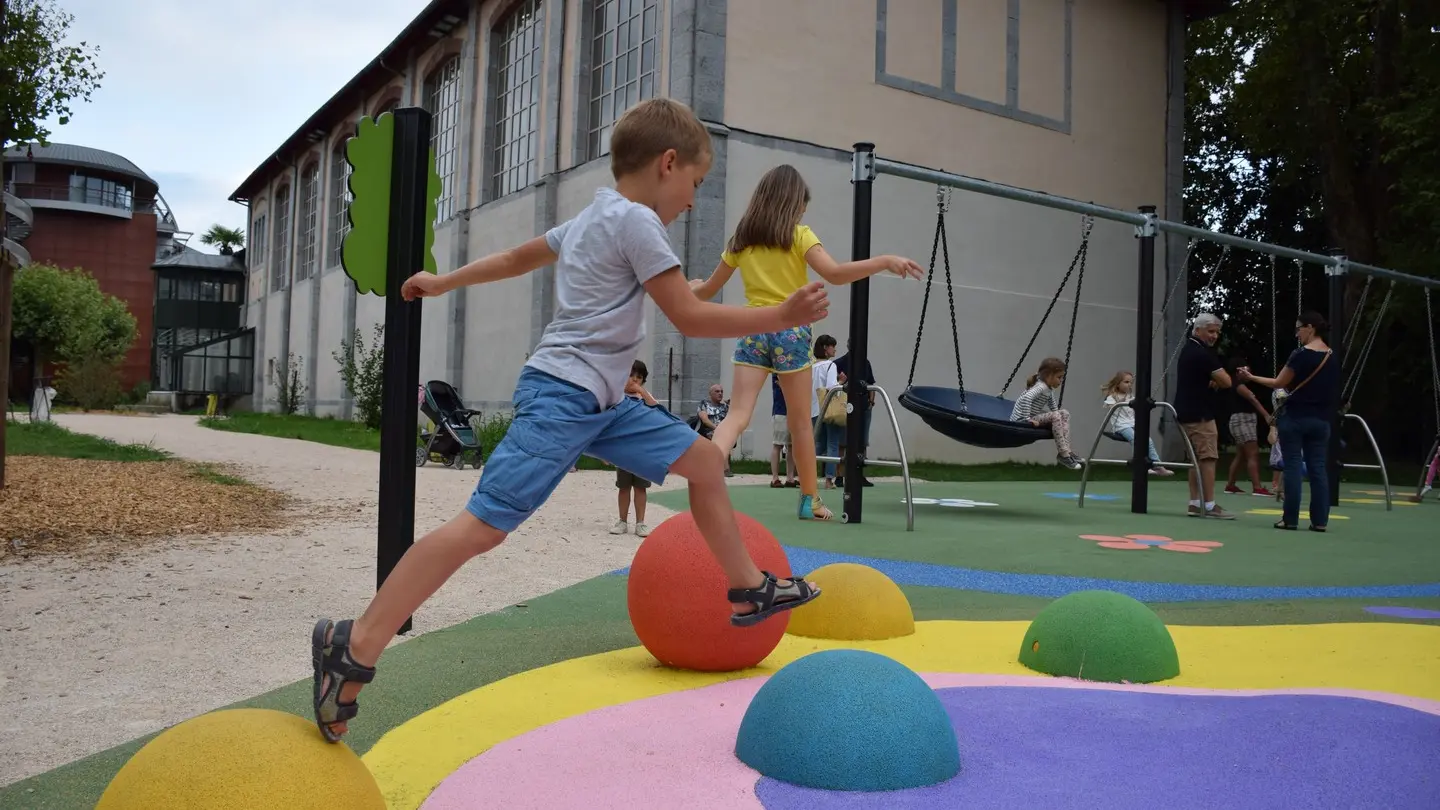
(98, 211)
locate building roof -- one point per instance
(437, 19)
(188, 258)
(82, 156)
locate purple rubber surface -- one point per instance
(1405, 612)
(1086, 748)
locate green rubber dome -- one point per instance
(1100, 636)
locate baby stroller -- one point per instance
(454, 439)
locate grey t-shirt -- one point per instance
(606, 253)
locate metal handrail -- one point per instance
(903, 463)
(1090, 457)
(1384, 474)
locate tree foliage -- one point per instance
(1316, 125)
(42, 75)
(66, 317)
(226, 239)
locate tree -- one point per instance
(1317, 125)
(227, 239)
(362, 372)
(40, 77)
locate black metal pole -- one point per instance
(1144, 400)
(857, 391)
(1336, 277)
(410, 171)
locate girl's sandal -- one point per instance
(332, 658)
(812, 508)
(770, 598)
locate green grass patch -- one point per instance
(49, 439)
(322, 430)
(214, 476)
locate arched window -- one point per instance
(340, 198)
(442, 98)
(514, 139)
(280, 241)
(309, 225)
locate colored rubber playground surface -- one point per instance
(1309, 668)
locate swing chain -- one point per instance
(1080, 254)
(1089, 223)
(942, 198)
(929, 280)
(1352, 385)
(1180, 344)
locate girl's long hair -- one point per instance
(1110, 387)
(1049, 365)
(775, 209)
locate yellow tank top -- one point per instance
(772, 274)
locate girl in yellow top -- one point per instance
(772, 250)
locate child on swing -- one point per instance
(1120, 391)
(771, 249)
(1038, 407)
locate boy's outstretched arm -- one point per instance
(696, 318)
(510, 263)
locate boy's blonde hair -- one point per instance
(1111, 387)
(647, 130)
(775, 209)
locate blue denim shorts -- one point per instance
(554, 423)
(781, 352)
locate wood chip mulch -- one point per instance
(88, 508)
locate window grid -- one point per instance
(624, 49)
(257, 242)
(442, 91)
(340, 198)
(517, 99)
(309, 225)
(280, 240)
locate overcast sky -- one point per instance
(198, 92)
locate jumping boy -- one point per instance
(570, 397)
(629, 484)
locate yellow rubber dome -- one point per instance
(858, 603)
(241, 759)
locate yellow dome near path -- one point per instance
(857, 603)
(240, 759)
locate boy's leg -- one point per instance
(553, 423)
(624, 504)
(652, 443)
(639, 505)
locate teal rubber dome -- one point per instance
(848, 720)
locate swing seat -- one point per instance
(983, 420)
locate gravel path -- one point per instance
(118, 640)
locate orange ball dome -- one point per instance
(677, 603)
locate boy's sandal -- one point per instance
(1280, 524)
(333, 659)
(770, 598)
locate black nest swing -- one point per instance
(971, 417)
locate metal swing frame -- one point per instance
(903, 463)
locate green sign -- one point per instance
(366, 250)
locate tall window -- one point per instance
(309, 225)
(340, 198)
(442, 96)
(624, 49)
(256, 253)
(514, 139)
(280, 241)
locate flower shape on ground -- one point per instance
(1141, 542)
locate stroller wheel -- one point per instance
(421, 457)
(457, 461)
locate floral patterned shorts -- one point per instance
(785, 351)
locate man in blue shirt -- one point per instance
(842, 370)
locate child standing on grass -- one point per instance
(570, 398)
(1120, 390)
(627, 482)
(772, 250)
(1037, 406)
